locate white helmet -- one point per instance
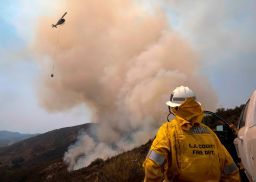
(179, 95)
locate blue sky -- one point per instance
(223, 33)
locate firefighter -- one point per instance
(185, 149)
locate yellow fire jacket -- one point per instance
(187, 150)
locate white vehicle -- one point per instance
(246, 138)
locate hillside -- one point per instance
(124, 167)
(43, 159)
(231, 115)
(41, 148)
(8, 138)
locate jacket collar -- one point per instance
(188, 114)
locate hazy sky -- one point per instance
(221, 32)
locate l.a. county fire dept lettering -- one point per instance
(202, 149)
(195, 145)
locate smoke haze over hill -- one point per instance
(122, 61)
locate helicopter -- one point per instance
(60, 21)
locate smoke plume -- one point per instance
(121, 60)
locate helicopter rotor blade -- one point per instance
(63, 15)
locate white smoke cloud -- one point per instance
(85, 150)
(123, 62)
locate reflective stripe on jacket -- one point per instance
(185, 152)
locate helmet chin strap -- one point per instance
(168, 116)
(169, 108)
(170, 112)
